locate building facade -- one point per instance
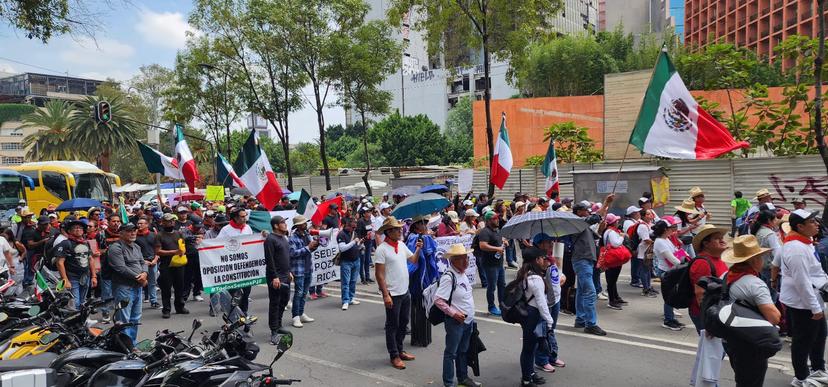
(638, 17)
(759, 25)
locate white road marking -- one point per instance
(344, 367)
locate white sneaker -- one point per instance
(199, 298)
(305, 318)
(603, 296)
(677, 313)
(797, 383)
(355, 302)
(819, 376)
(297, 322)
(344, 306)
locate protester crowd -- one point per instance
(775, 264)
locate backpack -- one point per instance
(514, 305)
(49, 253)
(676, 288)
(435, 315)
(632, 240)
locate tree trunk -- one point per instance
(320, 119)
(487, 99)
(286, 150)
(367, 159)
(818, 131)
(103, 162)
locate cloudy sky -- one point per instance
(131, 35)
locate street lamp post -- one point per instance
(153, 140)
(207, 70)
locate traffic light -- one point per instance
(103, 112)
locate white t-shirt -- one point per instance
(230, 231)
(464, 228)
(627, 224)
(644, 235)
(4, 248)
(665, 254)
(462, 299)
(376, 223)
(396, 267)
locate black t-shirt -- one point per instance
(351, 254)
(31, 234)
(363, 227)
(332, 221)
(147, 243)
(76, 256)
(167, 241)
(492, 237)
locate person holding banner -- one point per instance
(391, 264)
(301, 247)
(238, 226)
(277, 256)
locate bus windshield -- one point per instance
(93, 186)
(11, 191)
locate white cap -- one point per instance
(633, 209)
(468, 202)
(384, 205)
(643, 200)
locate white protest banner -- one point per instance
(324, 270)
(288, 215)
(465, 178)
(232, 263)
(443, 244)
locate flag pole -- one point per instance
(618, 175)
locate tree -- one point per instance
(51, 144)
(99, 139)
(409, 140)
(819, 61)
(150, 85)
(572, 143)
(502, 29)
(362, 61)
(46, 18)
(306, 158)
(460, 132)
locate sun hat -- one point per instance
(612, 218)
(299, 220)
(744, 247)
(633, 209)
(421, 218)
(704, 232)
(472, 213)
(688, 206)
(26, 212)
(453, 216)
(696, 191)
(785, 224)
(389, 223)
(457, 250)
(761, 193)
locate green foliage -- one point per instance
(572, 143)
(306, 159)
(534, 161)
(14, 111)
(409, 140)
(460, 132)
(38, 19)
(99, 140)
(50, 143)
(460, 117)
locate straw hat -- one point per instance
(762, 193)
(696, 191)
(744, 247)
(299, 219)
(688, 206)
(703, 232)
(455, 250)
(390, 222)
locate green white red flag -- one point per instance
(158, 162)
(672, 124)
(184, 158)
(550, 170)
(305, 206)
(502, 160)
(256, 174)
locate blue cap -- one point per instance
(537, 239)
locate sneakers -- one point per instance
(355, 302)
(614, 306)
(274, 338)
(494, 311)
(297, 322)
(677, 313)
(621, 301)
(154, 305)
(649, 293)
(545, 368)
(603, 296)
(637, 285)
(819, 376)
(595, 330)
(469, 382)
(370, 281)
(313, 297)
(579, 325)
(305, 318)
(672, 325)
(511, 265)
(165, 314)
(323, 294)
(198, 298)
(345, 306)
(182, 311)
(537, 379)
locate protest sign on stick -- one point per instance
(443, 244)
(324, 270)
(232, 263)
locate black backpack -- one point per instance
(513, 307)
(48, 256)
(676, 288)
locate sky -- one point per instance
(130, 35)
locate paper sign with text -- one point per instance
(324, 270)
(232, 263)
(443, 244)
(214, 193)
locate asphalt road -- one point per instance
(347, 348)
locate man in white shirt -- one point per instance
(391, 263)
(802, 279)
(377, 221)
(238, 226)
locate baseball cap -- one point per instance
(612, 218)
(798, 217)
(169, 216)
(798, 200)
(468, 202)
(633, 209)
(643, 200)
(276, 220)
(489, 215)
(127, 227)
(43, 219)
(384, 205)
(197, 221)
(182, 209)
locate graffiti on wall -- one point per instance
(813, 189)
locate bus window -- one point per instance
(93, 186)
(10, 191)
(33, 175)
(55, 183)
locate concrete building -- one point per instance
(428, 85)
(33, 89)
(638, 17)
(756, 24)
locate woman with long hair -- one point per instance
(421, 274)
(664, 257)
(531, 277)
(765, 228)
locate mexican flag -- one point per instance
(225, 173)
(157, 162)
(671, 124)
(325, 208)
(185, 158)
(255, 172)
(305, 206)
(40, 286)
(122, 212)
(550, 170)
(502, 161)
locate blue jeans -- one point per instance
(634, 269)
(644, 274)
(511, 255)
(80, 287)
(496, 276)
(585, 295)
(28, 275)
(669, 315)
(543, 358)
(349, 271)
(454, 356)
(596, 280)
(106, 294)
(365, 261)
(132, 313)
(481, 272)
(301, 284)
(530, 342)
(152, 283)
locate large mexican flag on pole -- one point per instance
(671, 123)
(255, 173)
